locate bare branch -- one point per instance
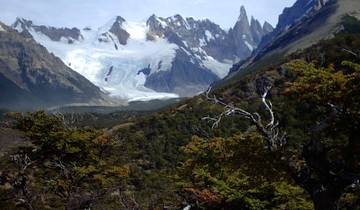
(22, 161)
(268, 106)
(351, 52)
(271, 133)
(68, 121)
(22, 194)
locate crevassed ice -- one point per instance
(94, 59)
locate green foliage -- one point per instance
(134, 164)
(328, 90)
(238, 173)
(76, 166)
(326, 85)
(333, 94)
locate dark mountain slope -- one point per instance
(299, 30)
(32, 77)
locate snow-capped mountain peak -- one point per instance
(114, 32)
(162, 58)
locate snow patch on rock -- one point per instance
(251, 48)
(209, 35)
(221, 69)
(2, 29)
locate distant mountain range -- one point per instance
(162, 58)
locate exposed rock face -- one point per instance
(257, 31)
(190, 33)
(241, 36)
(55, 34)
(119, 32)
(245, 36)
(31, 77)
(292, 15)
(185, 77)
(304, 24)
(235, 45)
(199, 40)
(267, 28)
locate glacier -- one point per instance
(121, 56)
(94, 59)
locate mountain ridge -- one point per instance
(32, 77)
(199, 52)
(317, 20)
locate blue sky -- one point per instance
(95, 13)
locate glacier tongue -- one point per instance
(114, 67)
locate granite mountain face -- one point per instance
(162, 58)
(117, 31)
(304, 24)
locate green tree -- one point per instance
(332, 154)
(238, 173)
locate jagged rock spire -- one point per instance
(243, 14)
(267, 27)
(256, 30)
(246, 35)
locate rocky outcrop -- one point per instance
(117, 29)
(31, 77)
(197, 40)
(55, 34)
(186, 78)
(116, 33)
(267, 28)
(245, 36)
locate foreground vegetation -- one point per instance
(173, 158)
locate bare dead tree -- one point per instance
(357, 55)
(128, 201)
(324, 181)
(68, 121)
(23, 196)
(274, 139)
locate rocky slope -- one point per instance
(31, 77)
(55, 34)
(162, 58)
(300, 26)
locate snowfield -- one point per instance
(94, 59)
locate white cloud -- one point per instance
(97, 12)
